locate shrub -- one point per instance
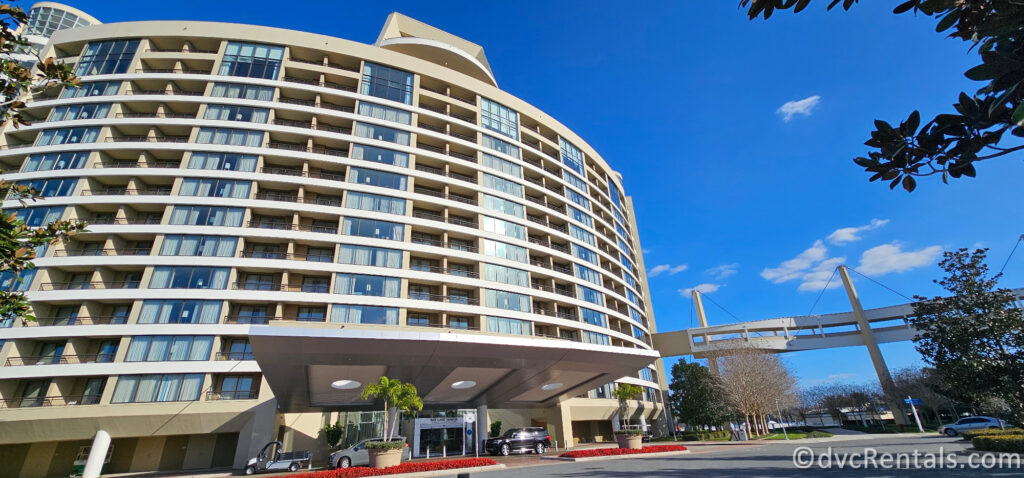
(495, 429)
(969, 434)
(620, 451)
(631, 432)
(360, 471)
(818, 434)
(1002, 444)
(385, 445)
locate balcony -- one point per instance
(342, 153)
(136, 164)
(125, 251)
(446, 270)
(310, 288)
(56, 401)
(127, 192)
(58, 359)
(146, 139)
(233, 356)
(132, 284)
(65, 321)
(451, 299)
(232, 395)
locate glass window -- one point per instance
(593, 317)
(501, 146)
(507, 300)
(511, 208)
(571, 156)
(581, 216)
(625, 262)
(55, 161)
(502, 165)
(180, 312)
(385, 113)
(44, 21)
(578, 233)
(358, 284)
(387, 83)
(380, 155)
(503, 325)
(169, 348)
(247, 92)
(364, 314)
(76, 112)
(219, 188)
(39, 216)
(185, 277)
(629, 279)
(354, 226)
(506, 275)
(638, 333)
(585, 254)
(17, 282)
(591, 295)
(578, 198)
(375, 202)
(588, 274)
(621, 230)
(236, 113)
(505, 251)
(504, 228)
(381, 133)
(46, 188)
(311, 314)
(645, 374)
(369, 256)
(207, 216)
(234, 137)
(497, 117)
(596, 338)
(504, 185)
(574, 180)
(223, 161)
(57, 136)
(252, 60)
(633, 297)
(373, 177)
(158, 388)
(636, 316)
(614, 193)
(96, 88)
(107, 57)
(207, 246)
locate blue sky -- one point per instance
(684, 99)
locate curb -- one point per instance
(453, 471)
(618, 457)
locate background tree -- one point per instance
(975, 337)
(753, 380)
(625, 392)
(696, 396)
(397, 397)
(950, 144)
(923, 383)
(17, 241)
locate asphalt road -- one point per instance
(776, 459)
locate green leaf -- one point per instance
(1017, 117)
(909, 184)
(948, 20)
(904, 7)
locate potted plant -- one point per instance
(398, 397)
(628, 437)
(334, 434)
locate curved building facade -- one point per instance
(277, 218)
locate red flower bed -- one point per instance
(620, 451)
(359, 471)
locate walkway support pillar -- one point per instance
(884, 377)
(702, 319)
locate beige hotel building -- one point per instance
(277, 218)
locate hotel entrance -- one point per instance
(435, 437)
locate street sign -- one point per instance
(469, 431)
(469, 417)
(913, 401)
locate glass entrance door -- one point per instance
(437, 440)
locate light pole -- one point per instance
(777, 407)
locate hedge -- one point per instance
(360, 471)
(703, 435)
(969, 434)
(1002, 444)
(620, 451)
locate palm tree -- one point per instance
(626, 392)
(397, 395)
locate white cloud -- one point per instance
(722, 271)
(702, 288)
(847, 235)
(819, 276)
(796, 267)
(888, 258)
(645, 251)
(798, 107)
(671, 269)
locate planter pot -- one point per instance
(632, 442)
(384, 458)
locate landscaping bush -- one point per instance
(1002, 444)
(620, 451)
(360, 471)
(694, 435)
(818, 434)
(970, 434)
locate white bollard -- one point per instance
(444, 451)
(97, 455)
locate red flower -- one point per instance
(360, 471)
(620, 451)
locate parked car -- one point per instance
(271, 458)
(535, 439)
(971, 423)
(356, 455)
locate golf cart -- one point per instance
(271, 458)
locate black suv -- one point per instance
(533, 439)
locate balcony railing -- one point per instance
(101, 220)
(446, 270)
(233, 356)
(448, 245)
(136, 164)
(232, 395)
(444, 326)
(146, 139)
(286, 256)
(172, 70)
(311, 288)
(58, 359)
(65, 321)
(125, 251)
(333, 229)
(55, 401)
(127, 192)
(451, 299)
(89, 285)
(343, 153)
(156, 115)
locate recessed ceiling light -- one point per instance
(345, 384)
(463, 384)
(551, 386)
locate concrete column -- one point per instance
(565, 438)
(257, 432)
(884, 378)
(483, 426)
